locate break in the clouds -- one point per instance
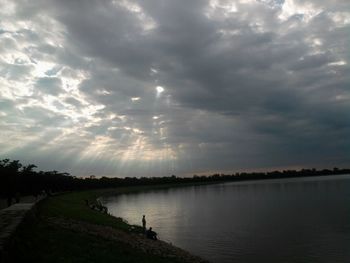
(149, 87)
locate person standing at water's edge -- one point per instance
(144, 223)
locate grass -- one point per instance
(72, 206)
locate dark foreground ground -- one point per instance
(64, 229)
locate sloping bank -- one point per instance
(65, 229)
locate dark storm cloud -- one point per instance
(241, 84)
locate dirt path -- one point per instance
(137, 241)
(24, 199)
(10, 218)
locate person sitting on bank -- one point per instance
(151, 234)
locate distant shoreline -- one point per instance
(145, 187)
(25, 180)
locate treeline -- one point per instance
(24, 180)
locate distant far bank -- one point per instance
(17, 180)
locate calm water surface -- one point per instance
(283, 220)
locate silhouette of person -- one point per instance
(144, 223)
(151, 234)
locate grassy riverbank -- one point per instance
(65, 229)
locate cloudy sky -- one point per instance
(161, 87)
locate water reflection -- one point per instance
(292, 220)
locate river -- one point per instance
(276, 221)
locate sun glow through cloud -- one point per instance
(159, 89)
